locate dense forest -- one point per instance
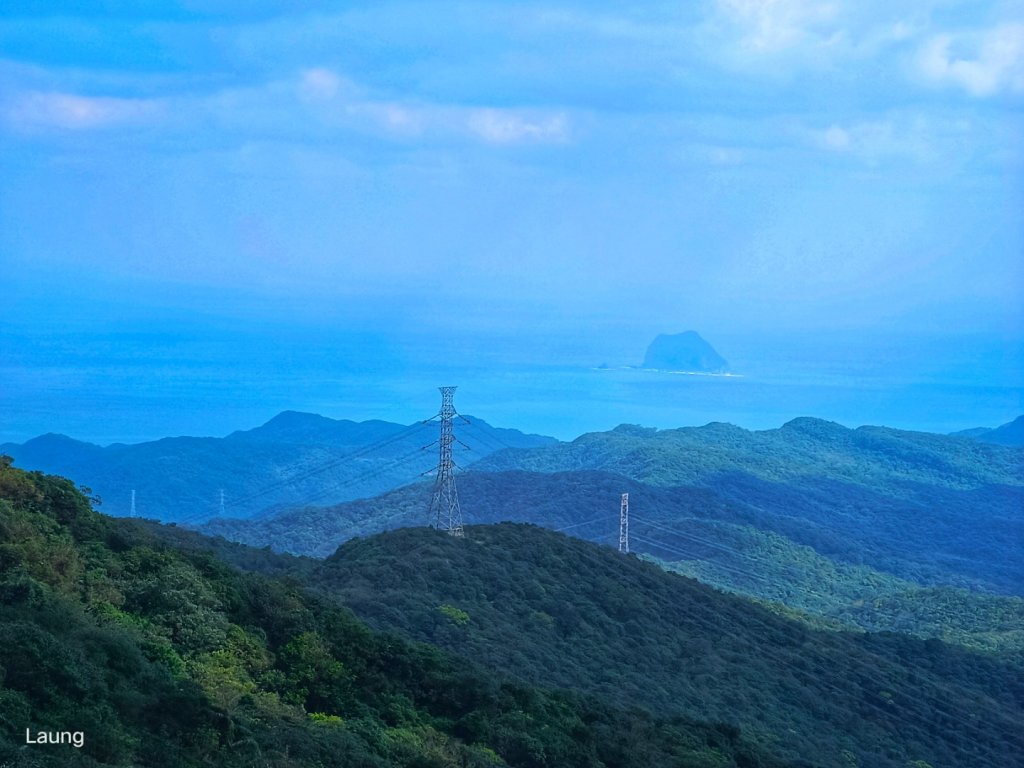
(563, 612)
(165, 655)
(737, 545)
(514, 646)
(928, 509)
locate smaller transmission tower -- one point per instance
(222, 502)
(132, 513)
(445, 513)
(624, 524)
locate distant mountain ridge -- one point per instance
(804, 446)
(1011, 433)
(294, 458)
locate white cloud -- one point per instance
(725, 155)
(336, 99)
(921, 139)
(836, 138)
(874, 140)
(319, 84)
(394, 116)
(982, 63)
(69, 111)
(773, 25)
(502, 126)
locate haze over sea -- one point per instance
(147, 384)
(212, 212)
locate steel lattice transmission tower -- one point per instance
(624, 524)
(445, 513)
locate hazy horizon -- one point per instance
(211, 212)
(119, 387)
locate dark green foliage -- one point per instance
(566, 613)
(735, 544)
(928, 509)
(170, 657)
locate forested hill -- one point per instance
(295, 458)
(880, 458)
(852, 556)
(170, 658)
(930, 508)
(563, 612)
(930, 535)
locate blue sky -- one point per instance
(527, 168)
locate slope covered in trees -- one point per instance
(929, 508)
(166, 656)
(725, 542)
(564, 612)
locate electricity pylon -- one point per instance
(445, 513)
(624, 524)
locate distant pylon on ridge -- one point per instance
(624, 524)
(132, 513)
(222, 502)
(445, 513)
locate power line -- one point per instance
(490, 437)
(601, 519)
(369, 474)
(408, 432)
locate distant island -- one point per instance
(685, 351)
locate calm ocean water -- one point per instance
(133, 389)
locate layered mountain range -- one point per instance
(871, 529)
(295, 458)
(511, 646)
(153, 651)
(875, 618)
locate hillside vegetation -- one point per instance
(932, 509)
(166, 656)
(566, 613)
(723, 542)
(867, 456)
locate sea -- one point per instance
(133, 387)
